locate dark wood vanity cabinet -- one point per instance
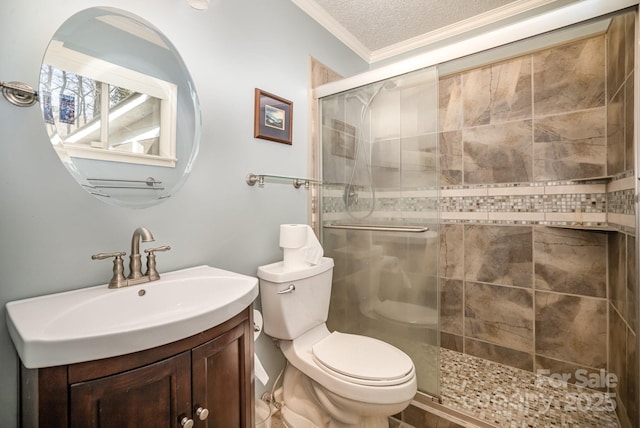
(156, 394)
(167, 386)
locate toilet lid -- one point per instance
(362, 359)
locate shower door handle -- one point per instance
(289, 289)
(374, 228)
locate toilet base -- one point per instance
(308, 405)
(291, 419)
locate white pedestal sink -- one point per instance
(98, 322)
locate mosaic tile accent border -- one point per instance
(622, 202)
(508, 397)
(551, 203)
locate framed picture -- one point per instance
(272, 117)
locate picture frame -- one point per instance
(273, 117)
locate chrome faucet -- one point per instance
(135, 264)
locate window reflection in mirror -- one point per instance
(128, 119)
(121, 109)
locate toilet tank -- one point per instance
(293, 302)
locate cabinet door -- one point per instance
(222, 380)
(157, 395)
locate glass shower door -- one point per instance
(379, 214)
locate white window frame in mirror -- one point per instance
(99, 70)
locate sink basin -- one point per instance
(98, 322)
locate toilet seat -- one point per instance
(300, 354)
(362, 360)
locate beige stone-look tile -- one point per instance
(464, 215)
(499, 254)
(588, 218)
(571, 328)
(629, 123)
(416, 417)
(617, 271)
(500, 315)
(520, 191)
(615, 134)
(516, 216)
(451, 341)
(622, 220)
(618, 353)
(632, 284)
(497, 93)
(498, 153)
(616, 55)
(570, 261)
(499, 354)
(573, 373)
(418, 161)
(575, 189)
(570, 146)
(450, 103)
(321, 74)
(451, 251)
(629, 41)
(576, 218)
(633, 396)
(473, 191)
(569, 77)
(621, 184)
(450, 148)
(451, 310)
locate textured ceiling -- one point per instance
(381, 23)
(381, 29)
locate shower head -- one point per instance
(389, 84)
(366, 99)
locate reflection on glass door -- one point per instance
(380, 214)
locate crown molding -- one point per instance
(535, 25)
(483, 20)
(489, 18)
(334, 27)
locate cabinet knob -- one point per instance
(202, 413)
(186, 422)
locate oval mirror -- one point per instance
(119, 107)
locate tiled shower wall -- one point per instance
(623, 318)
(519, 142)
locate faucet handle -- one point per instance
(152, 272)
(117, 280)
(153, 250)
(102, 256)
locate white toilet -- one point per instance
(332, 379)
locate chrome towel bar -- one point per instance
(410, 229)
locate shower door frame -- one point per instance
(571, 14)
(566, 16)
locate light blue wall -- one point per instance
(49, 226)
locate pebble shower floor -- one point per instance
(505, 396)
(509, 397)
